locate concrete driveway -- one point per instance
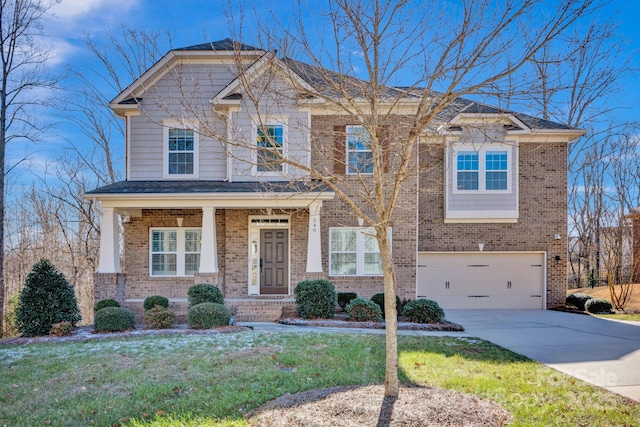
(602, 352)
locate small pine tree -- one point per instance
(47, 298)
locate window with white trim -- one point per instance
(354, 251)
(359, 154)
(484, 168)
(174, 251)
(270, 140)
(180, 151)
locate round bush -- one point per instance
(47, 298)
(363, 310)
(204, 292)
(113, 319)
(105, 303)
(345, 298)
(424, 311)
(154, 300)
(316, 299)
(379, 299)
(158, 317)
(598, 305)
(208, 314)
(578, 300)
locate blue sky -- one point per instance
(197, 21)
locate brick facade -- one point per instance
(542, 213)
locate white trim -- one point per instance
(253, 254)
(180, 250)
(482, 149)
(109, 255)
(209, 242)
(314, 239)
(168, 124)
(360, 251)
(346, 152)
(281, 120)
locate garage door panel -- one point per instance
(482, 279)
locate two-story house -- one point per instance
(482, 225)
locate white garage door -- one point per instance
(491, 280)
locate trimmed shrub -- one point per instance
(152, 301)
(105, 303)
(316, 299)
(47, 298)
(208, 314)
(424, 311)
(363, 310)
(62, 329)
(345, 298)
(578, 300)
(113, 319)
(379, 299)
(598, 305)
(158, 317)
(204, 292)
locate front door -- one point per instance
(274, 261)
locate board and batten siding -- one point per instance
(486, 205)
(165, 100)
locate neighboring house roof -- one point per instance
(209, 187)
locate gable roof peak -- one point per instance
(220, 45)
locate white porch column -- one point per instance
(208, 246)
(109, 261)
(314, 249)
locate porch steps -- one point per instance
(260, 309)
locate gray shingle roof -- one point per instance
(222, 45)
(203, 187)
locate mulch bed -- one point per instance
(367, 406)
(341, 322)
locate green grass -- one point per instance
(631, 316)
(213, 380)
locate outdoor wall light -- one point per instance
(557, 236)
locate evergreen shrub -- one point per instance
(113, 319)
(152, 301)
(363, 310)
(204, 292)
(316, 299)
(424, 311)
(208, 314)
(46, 298)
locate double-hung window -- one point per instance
(270, 148)
(174, 251)
(359, 154)
(180, 151)
(354, 251)
(481, 169)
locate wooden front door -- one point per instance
(274, 261)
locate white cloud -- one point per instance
(72, 9)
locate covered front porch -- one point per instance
(253, 243)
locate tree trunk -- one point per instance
(391, 382)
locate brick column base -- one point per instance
(109, 285)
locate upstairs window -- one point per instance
(270, 142)
(180, 151)
(483, 170)
(359, 155)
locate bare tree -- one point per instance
(22, 60)
(368, 48)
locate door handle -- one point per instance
(260, 265)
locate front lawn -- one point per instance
(213, 380)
